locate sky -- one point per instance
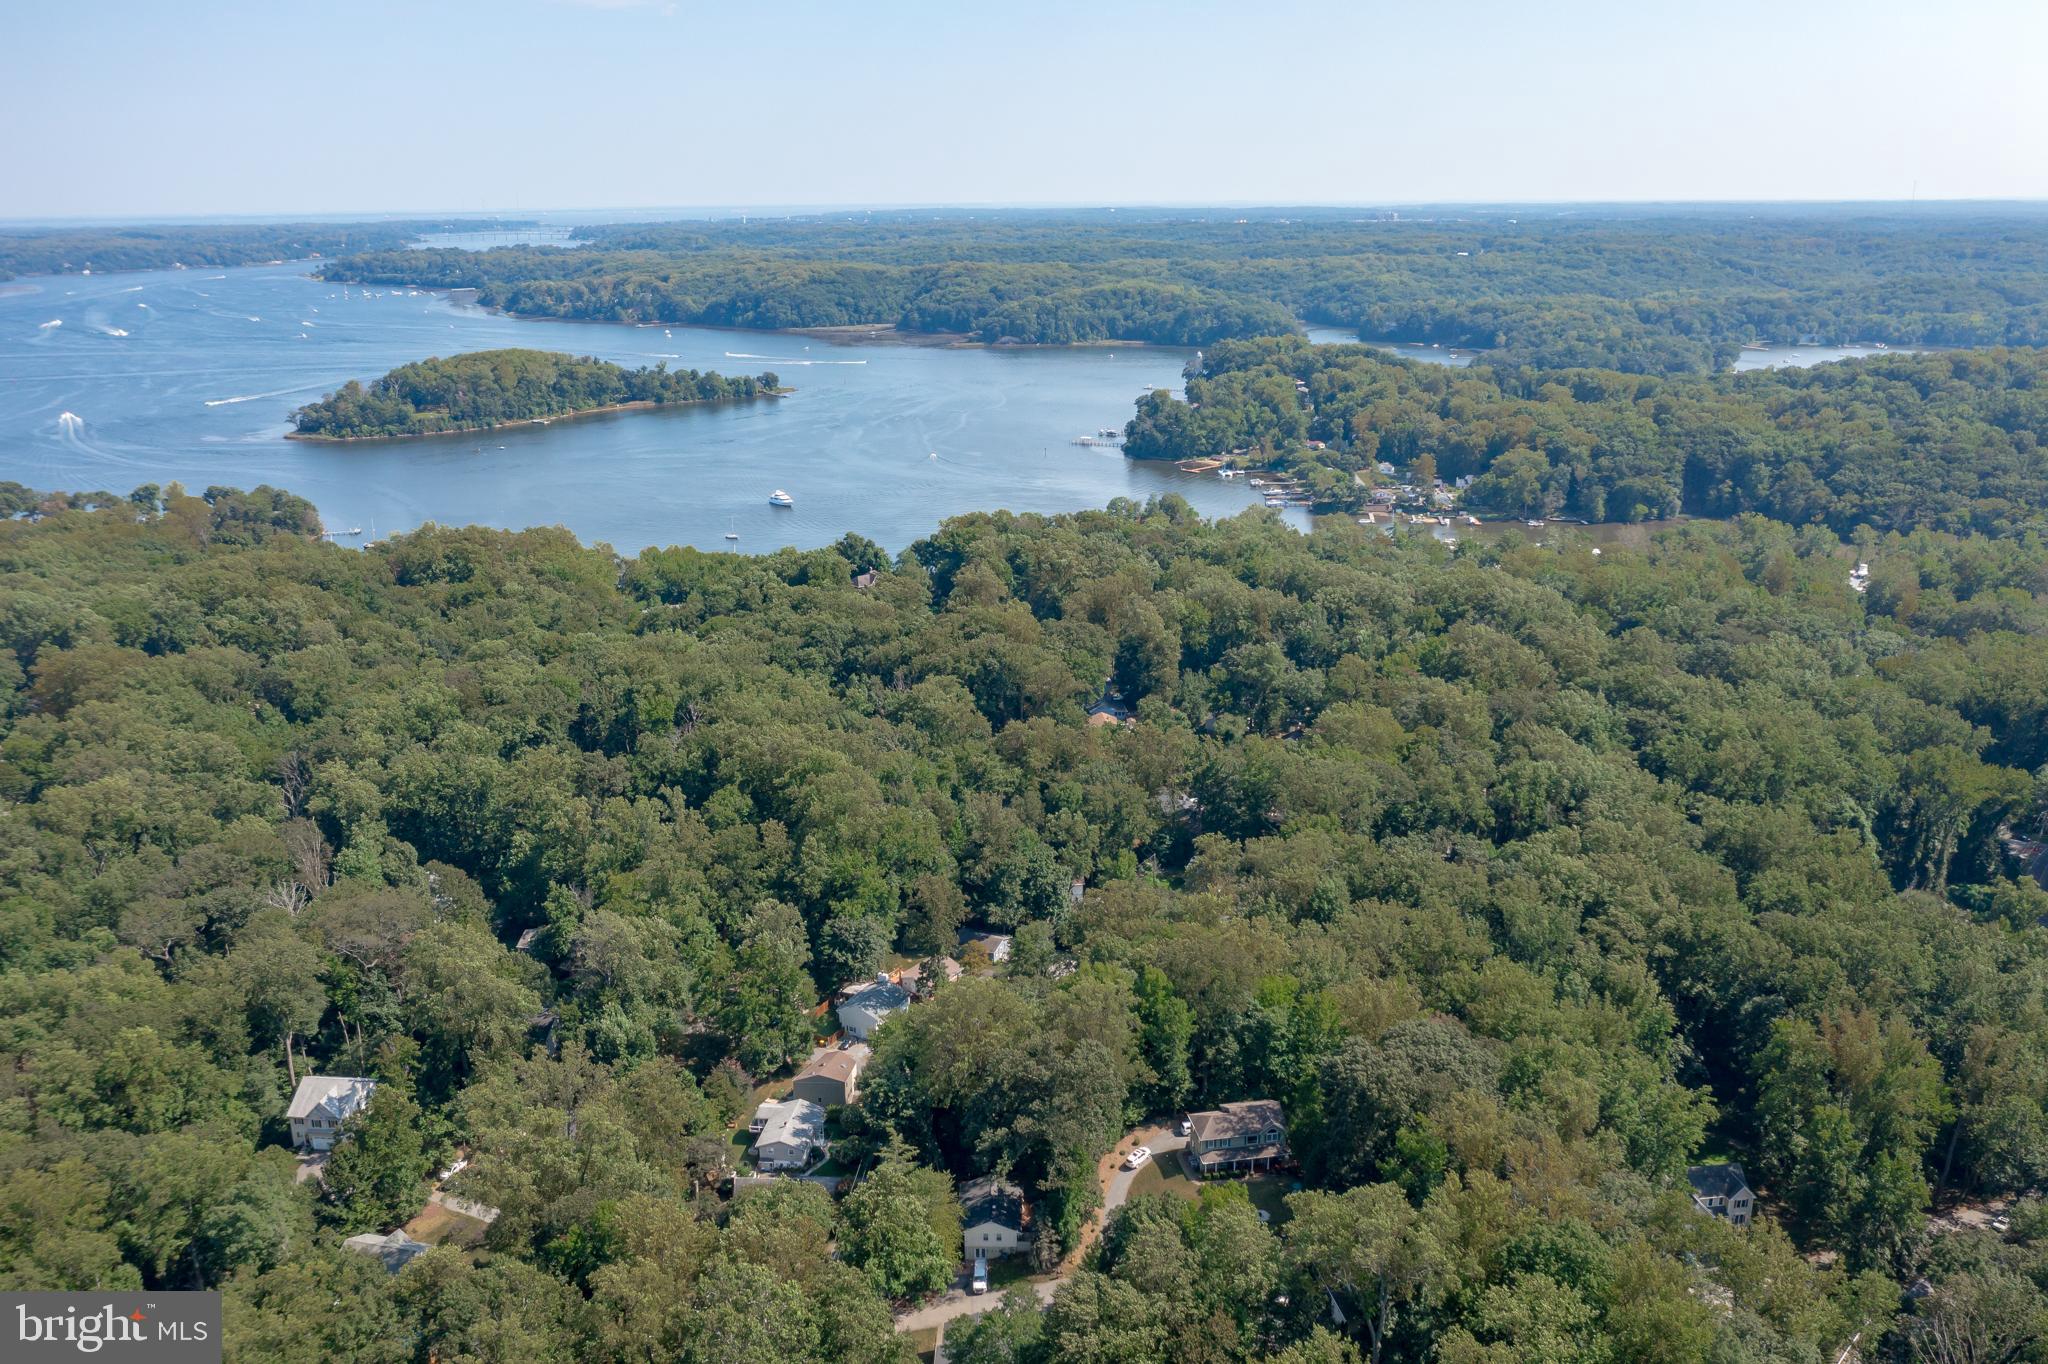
(138, 109)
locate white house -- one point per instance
(992, 1221)
(320, 1104)
(791, 1131)
(997, 945)
(1721, 1190)
(861, 1012)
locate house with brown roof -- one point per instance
(912, 979)
(831, 1078)
(1238, 1138)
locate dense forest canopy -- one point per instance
(482, 389)
(1637, 290)
(70, 250)
(1521, 877)
(1948, 441)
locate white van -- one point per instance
(981, 1271)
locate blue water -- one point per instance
(1407, 350)
(190, 376)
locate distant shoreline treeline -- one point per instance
(1645, 293)
(70, 251)
(481, 390)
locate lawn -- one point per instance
(1008, 1269)
(438, 1226)
(1268, 1192)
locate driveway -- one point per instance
(960, 1303)
(1115, 1183)
(1118, 1188)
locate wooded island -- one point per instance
(490, 388)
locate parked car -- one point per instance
(1137, 1158)
(2001, 1223)
(981, 1271)
(453, 1170)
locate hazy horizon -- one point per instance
(126, 112)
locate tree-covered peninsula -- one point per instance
(1641, 289)
(487, 388)
(1946, 441)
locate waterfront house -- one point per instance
(993, 1218)
(790, 1132)
(831, 1079)
(321, 1104)
(1721, 1190)
(1239, 1138)
(863, 1010)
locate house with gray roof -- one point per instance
(790, 1133)
(395, 1251)
(994, 1219)
(321, 1104)
(1239, 1138)
(1721, 1190)
(863, 1010)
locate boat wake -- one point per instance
(69, 422)
(788, 359)
(111, 331)
(53, 322)
(252, 397)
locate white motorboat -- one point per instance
(779, 498)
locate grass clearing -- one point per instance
(439, 1226)
(1166, 1176)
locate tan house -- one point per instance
(831, 1079)
(1238, 1138)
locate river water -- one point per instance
(110, 381)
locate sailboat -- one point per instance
(732, 532)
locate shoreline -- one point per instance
(638, 405)
(838, 334)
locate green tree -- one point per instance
(900, 1226)
(376, 1171)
